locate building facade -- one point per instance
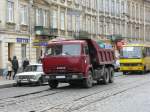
(26, 25)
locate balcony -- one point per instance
(40, 30)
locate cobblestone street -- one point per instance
(128, 93)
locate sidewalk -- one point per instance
(6, 83)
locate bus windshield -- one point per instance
(64, 50)
(131, 52)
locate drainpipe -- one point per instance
(30, 27)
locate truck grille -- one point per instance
(54, 70)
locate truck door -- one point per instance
(86, 54)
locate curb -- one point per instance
(8, 85)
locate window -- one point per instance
(54, 19)
(23, 51)
(23, 15)
(86, 50)
(45, 18)
(77, 23)
(106, 6)
(76, 1)
(84, 3)
(101, 5)
(10, 11)
(69, 23)
(88, 3)
(39, 17)
(113, 7)
(64, 50)
(131, 52)
(84, 24)
(62, 20)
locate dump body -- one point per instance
(73, 60)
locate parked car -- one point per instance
(33, 74)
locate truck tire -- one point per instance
(53, 84)
(19, 84)
(111, 75)
(105, 77)
(40, 81)
(88, 82)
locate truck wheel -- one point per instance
(53, 84)
(88, 82)
(106, 76)
(111, 75)
(19, 84)
(40, 81)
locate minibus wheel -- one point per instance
(125, 73)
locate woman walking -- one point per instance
(9, 67)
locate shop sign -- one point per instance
(22, 40)
(38, 43)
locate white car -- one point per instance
(32, 74)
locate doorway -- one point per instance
(10, 50)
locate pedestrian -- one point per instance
(15, 66)
(40, 59)
(25, 63)
(9, 67)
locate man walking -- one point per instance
(15, 66)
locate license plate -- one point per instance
(60, 77)
(24, 80)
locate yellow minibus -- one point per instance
(135, 57)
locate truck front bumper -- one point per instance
(66, 77)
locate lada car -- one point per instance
(33, 74)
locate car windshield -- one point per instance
(67, 49)
(131, 52)
(36, 68)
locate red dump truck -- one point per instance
(78, 62)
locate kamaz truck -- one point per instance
(78, 62)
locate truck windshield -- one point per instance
(131, 52)
(67, 49)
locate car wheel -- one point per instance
(125, 73)
(53, 84)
